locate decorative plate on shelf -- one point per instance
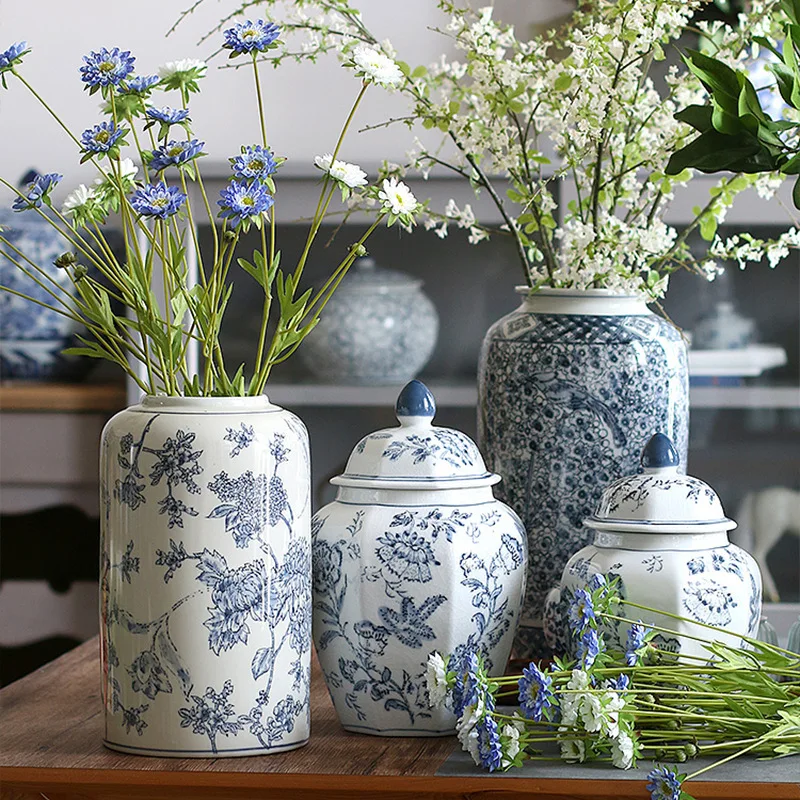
(744, 362)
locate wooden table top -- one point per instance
(50, 746)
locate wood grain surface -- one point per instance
(44, 396)
(50, 746)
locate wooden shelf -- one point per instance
(41, 396)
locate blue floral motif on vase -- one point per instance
(571, 386)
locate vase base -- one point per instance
(400, 732)
(233, 752)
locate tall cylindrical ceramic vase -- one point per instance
(572, 384)
(205, 593)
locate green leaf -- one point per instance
(784, 79)
(796, 193)
(83, 351)
(713, 152)
(720, 80)
(708, 227)
(252, 271)
(563, 82)
(699, 117)
(419, 72)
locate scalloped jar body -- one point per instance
(571, 385)
(399, 574)
(701, 576)
(205, 594)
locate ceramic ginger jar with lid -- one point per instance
(665, 536)
(415, 555)
(379, 328)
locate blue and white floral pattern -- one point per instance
(175, 461)
(708, 601)
(237, 577)
(242, 437)
(440, 444)
(566, 403)
(375, 665)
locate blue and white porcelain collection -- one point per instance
(665, 536)
(415, 555)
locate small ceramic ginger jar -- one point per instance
(379, 328)
(415, 555)
(665, 536)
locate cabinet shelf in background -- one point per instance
(464, 394)
(72, 397)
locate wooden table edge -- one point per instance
(439, 786)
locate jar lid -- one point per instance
(366, 275)
(416, 454)
(659, 499)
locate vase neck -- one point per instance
(204, 405)
(587, 302)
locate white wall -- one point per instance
(306, 104)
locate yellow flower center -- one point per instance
(248, 201)
(107, 66)
(256, 164)
(249, 33)
(175, 151)
(102, 137)
(160, 202)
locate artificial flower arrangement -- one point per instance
(573, 110)
(623, 706)
(159, 331)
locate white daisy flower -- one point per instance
(183, 66)
(510, 734)
(397, 197)
(77, 199)
(351, 175)
(622, 751)
(376, 67)
(436, 677)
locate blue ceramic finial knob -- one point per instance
(659, 452)
(415, 400)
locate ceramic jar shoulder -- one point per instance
(400, 574)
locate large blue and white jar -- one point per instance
(379, 328)
(664, 536)
(415, 555)
(570, 384)
(32, 336)
(205, 592)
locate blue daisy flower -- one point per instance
(12, 55)
(249, 37)
(37, 191)
(106, 67)
(581, 611)
(621, 683)
(158, 200)
(589, 647)
(102, 137)
(139, 85)
(174, 153)
(244, 202)
(636, 641)
(169, 116)
(254, 163)
(467, 683)
(535, 692)
(664, 784)
(490, 752)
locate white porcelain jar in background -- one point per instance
(415, 555)
(205, 593)
(379, 328)
(665, 536)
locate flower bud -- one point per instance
(690, 749)
(358, 249)
(673, 725)
(229, 236)
(680, 755)
(65, 260)
(79, 272)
